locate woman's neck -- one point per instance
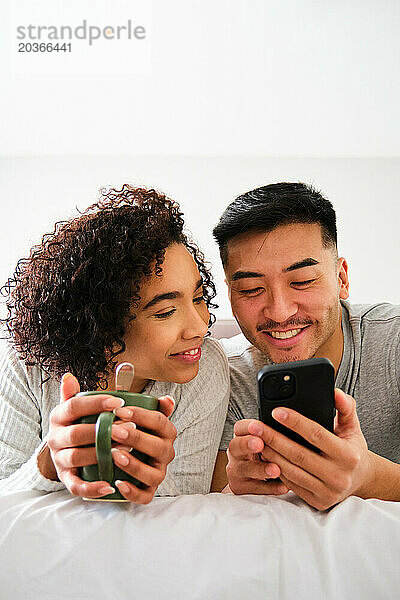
(138, 385)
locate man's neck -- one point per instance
(333, 348)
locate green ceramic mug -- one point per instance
(105, 469)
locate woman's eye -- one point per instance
(165, 315)
(303, 283)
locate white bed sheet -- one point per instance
(54, 546)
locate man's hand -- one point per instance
(246, 471)
(67, 441)
(344, 467)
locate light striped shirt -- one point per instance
(199, 417)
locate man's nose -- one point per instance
(279, 307)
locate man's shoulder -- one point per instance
(236, 346)
(243, 357)
(379, 312)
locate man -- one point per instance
(288, 290)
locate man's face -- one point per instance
(284, 288)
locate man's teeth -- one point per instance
(191, 352)
(283, 335)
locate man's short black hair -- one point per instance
(270, 206)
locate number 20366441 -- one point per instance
(35, 47)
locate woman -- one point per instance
(119, 283)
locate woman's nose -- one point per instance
(196, 325)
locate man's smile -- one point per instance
(285, 338)
(284, 334)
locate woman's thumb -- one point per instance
(69, 387)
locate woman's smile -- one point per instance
(189, 356)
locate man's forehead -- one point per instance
(283, 245)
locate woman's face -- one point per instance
(164, 340)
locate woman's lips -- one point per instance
(188, 356)
(285, 342)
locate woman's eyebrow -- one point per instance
(169, 296)
(160, 297)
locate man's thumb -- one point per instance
(346, 419)
(69, 387)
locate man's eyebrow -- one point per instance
(169, 296)
(245, 274)
(305, 262)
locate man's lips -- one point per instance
(284, 338)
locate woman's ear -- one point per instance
(343, 279)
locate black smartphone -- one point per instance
(306, 386)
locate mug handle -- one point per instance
(103, 446)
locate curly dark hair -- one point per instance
(69, 303)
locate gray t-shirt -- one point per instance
(199, 416)
(369, 371)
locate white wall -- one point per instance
(214, 102)
(244, 77)
(36, 192)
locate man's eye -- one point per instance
(303, 283)
(252, 292)
(166, 314)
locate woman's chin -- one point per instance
(185, 375)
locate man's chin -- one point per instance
(288, 358)
(283, 355)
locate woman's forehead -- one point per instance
(179, 273)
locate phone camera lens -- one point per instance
(271, 386)
(286, 388)
(276, 387)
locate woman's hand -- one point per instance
(66, 441)
(157, 443)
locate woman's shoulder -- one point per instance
(212, 351)
(213, 375)
(13, 370)
(9, 359)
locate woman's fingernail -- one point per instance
(113, 402)
(279, 414)
(66, 376)
(107, 489)
(172, 400)
(130, 425)
(123, 413)
(122, 486)
(119, 432)
(119, 457)
(167, 397)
